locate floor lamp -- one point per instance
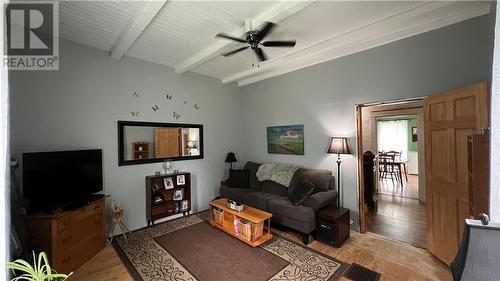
(338, 145)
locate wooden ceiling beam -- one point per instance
(136, 26)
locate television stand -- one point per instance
(79, 203)
(74, 205)
(70, 238)
(94, 197)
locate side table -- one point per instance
(332, 225)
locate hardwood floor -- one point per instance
(409, 190)
(105, 266)
(395, 260)
(399, 218)
(400, 215)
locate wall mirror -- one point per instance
(149, 142)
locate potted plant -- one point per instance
(40, 271)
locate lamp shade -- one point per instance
(190, 144)
(338, 145)
(479, 253)
(230, 158)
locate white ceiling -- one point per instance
(180, 34)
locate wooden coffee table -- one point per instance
(253, 215)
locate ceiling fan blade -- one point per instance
(227, 36)
(266, 29)
(235, 51)
(290, 43)
(260, 54)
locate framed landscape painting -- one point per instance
(285, 139)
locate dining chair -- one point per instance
(397, 154)
(387, 166)
(400, 163)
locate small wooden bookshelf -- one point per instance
(167, 195)
(140, 150)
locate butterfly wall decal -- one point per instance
(169, 97)
(135, 95)
(155, 107)
(196, 106)
(177, 115)
(134, 113)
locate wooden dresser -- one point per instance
(70, 238)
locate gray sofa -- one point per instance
(273, 197)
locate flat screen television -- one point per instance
(61, 178)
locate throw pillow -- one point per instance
(321, 178)
(302, 191)
(296, 181)
(252, 168)
(238, 178)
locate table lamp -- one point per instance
(479, 253)
(338, 145)
(230, 158)
(190, 146)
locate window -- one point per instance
(393, 136)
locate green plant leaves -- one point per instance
(40, 272)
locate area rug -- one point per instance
(190, 249)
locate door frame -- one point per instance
(383, 109)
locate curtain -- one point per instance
(393, 135)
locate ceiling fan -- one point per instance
(254, 40)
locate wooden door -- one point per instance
(449, 119)
(167, 142)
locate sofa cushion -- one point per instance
(302, 226)
(320, 199)
(274, 188)
(235, 194)
(259, 199)
(284, 207)
(252, 168)
(238, 178)
(297, 178)
(321, 178)
(302, 191)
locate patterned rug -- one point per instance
(147, 260)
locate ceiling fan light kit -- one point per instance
(254, 39)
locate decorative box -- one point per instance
(233, 205)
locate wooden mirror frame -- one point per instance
(121, 142)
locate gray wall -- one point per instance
(78, 107)
(323, 97)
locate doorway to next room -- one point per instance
(394, 197)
